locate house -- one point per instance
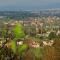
(34, 44)
(58, 32)
(48, 43)
(19, 42)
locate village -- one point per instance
(33, 34)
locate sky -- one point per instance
(29, 4)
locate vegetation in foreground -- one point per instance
(16, 44)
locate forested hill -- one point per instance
(26, 14)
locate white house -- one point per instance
(48, 43)
(20, 43)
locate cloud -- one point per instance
(7, 2)
(28, 1)
(16, 4)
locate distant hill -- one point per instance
(26, 14)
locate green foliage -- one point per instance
(13, 46)
(22, 48)
(52, 35)
(37, 52)
(18, 31)
(3, 33)
(18, 48)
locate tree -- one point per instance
(52, 35)
(18, 31)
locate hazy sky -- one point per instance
(28, 4)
